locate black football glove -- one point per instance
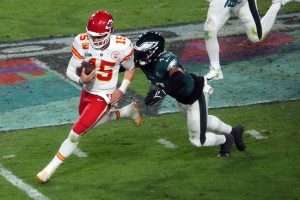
(154, 96)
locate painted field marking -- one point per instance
(256, 134)
(30, 191)
(45, 66)
(9, 156)
(40, 89)
(167, 143)
(80, 154)
(171, 33)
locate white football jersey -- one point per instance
(107, 62)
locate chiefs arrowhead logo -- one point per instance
(115, 55)
(109, 24)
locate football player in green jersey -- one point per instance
(163, 69)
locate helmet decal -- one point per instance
(146, 46)
(99, 28)
(109, 24)
(172, 64)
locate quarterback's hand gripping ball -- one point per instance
(88, 68)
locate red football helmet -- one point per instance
(99, 28)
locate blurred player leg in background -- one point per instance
(218, 15)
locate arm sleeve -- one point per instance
(76, 60)
(77, 50)
(176, 82)
(176, 79)
(168, 62)
(128, 61)
(71, 70)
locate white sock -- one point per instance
(215, 124)
(268, 20)
(211, 139)
(125, 112)
(53, 165)
(69, 145)
(214, 139)
(110, 116)
(213, 50)
(66, 149)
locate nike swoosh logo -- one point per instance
(157, 95)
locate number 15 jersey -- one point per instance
(107, 62)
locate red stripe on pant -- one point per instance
(91, 109)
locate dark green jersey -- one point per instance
(158, 74)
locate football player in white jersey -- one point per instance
(219, 13)
(106, 52)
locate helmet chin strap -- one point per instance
(102, 47)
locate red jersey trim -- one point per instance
(75, 53)
(128, 56)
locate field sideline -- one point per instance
(119, 161)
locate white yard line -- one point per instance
(167, 143)
(77, 152)
(9, 156)
(30, 191)
(256, 134)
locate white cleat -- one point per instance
(135, 114)
(43, 176)
(214, 75)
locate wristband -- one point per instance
(80, 82)
(124, 85)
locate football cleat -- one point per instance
(214, 75)
(43, 176)
(237, 133)
(135, 114)
(226, 147)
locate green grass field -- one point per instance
(127, 162)
(38, 18)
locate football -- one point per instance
(88, 68)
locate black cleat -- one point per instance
(237, 133)
(226, 147)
